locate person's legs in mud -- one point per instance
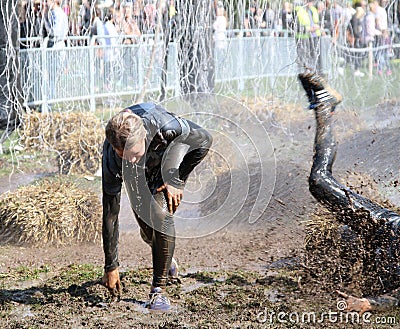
(323, 186)
(378, 226)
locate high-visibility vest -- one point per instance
(303, 18)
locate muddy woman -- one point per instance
(378, 227)
(152, 152)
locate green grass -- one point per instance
(24, 273)
(364, 92)
(75, 274)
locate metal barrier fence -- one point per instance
(90, 72)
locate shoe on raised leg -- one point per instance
(324, 94)
(312, 99)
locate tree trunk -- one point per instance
(10, 95)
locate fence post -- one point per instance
(140, 62)
(240, 60)
(92, 69)
(370, 59)
(46, 78)
(177, 72)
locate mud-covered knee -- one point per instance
(113, 202)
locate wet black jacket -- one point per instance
(190, 146)
(178, 144)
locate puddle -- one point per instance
(191, 274)
(273, 295)
(195, 286)
(141, 308)
(288, 263)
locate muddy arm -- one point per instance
(110, 230)
(199, 141)
(185, 153)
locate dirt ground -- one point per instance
(242, 276)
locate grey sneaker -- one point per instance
(318, 91)
(158, 302)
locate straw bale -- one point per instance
(50, 211)
(75, 137)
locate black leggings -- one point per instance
(159, 233)
(378, 226)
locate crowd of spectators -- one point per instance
(351, 23)
(57, 19)
(134, 17)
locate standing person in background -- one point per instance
(219, 27)
(130, 29)
(58, 26)
(371, 32)
(259, 19)
(25, 29)
(38, 21)
(66, 7)
(381, 23)
(348, 13)
(149, 17)
(172, 17)
(357, 30)
(97, 28)
(322, 14)
(57, 29)
(137, 14)
(111, 53)
(326, 17)
(269, 17)
(249, 21)
(380, 15)
(287, 16)
(383, 55)
(337, 22)
(308, 33)
(345, 36)
(84, 18)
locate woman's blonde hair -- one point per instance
(125, 129)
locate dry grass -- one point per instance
(49, 212)
(75, 137)
(275, 110)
